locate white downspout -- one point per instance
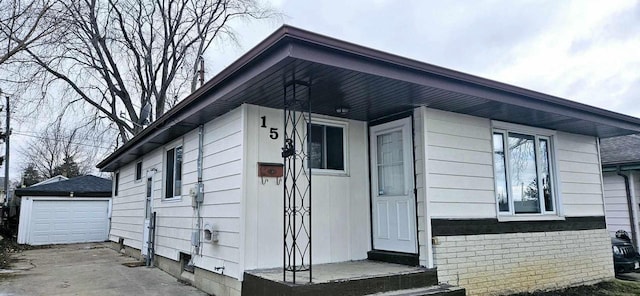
(200, 191)
(634, 207)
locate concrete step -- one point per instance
(439, 290)
(188, 277)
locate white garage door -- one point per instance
(66, 221)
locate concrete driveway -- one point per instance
(85, 269)
(631, 276)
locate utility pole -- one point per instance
(7, 132)
(201, 72)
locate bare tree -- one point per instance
(59, 150)
(122, 55)
(23, 23)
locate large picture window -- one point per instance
(173, 173)
(326, 145)
(523, 173)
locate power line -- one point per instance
(39, 135)
(47, 138)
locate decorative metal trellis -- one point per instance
(297, 180)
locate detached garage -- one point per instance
(76, 210)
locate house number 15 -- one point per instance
(273, 132)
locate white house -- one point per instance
(621, 177)
(493, 187)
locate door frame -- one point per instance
(380, 254)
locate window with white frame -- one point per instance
(173, 172)
(327, 146)
(524, 172)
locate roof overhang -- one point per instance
(371, 83)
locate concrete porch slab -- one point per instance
(345, 279)
(342, 271)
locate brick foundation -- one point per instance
(494, 264)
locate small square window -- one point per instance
(173, 175)
(326, 147)
(139, 171)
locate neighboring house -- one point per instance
(54, 179)
(13, 205)
(621, 178)
(76, 210)
(496, 186)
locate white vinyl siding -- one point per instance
(579, 175)
(617, 210)
(460, 166)
(222, 178)
(340, 201)
(128, 209)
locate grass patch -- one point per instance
(612, 288)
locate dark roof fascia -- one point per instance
(189, 105)
(301, 44)
(447, 79)
(19, 192)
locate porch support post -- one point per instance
(296, 154)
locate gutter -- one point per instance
(627, 188)
(624, 166)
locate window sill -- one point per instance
(335, 173)
(530, 218)
(172, 199)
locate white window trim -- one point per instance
(174, 198)
(345, 146)
(551, 137)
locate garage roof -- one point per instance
(83, 186)
(371, 83)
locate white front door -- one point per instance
(148, 204)
(392, 182)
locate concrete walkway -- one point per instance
(85, 269)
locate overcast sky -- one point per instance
(586, 51)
